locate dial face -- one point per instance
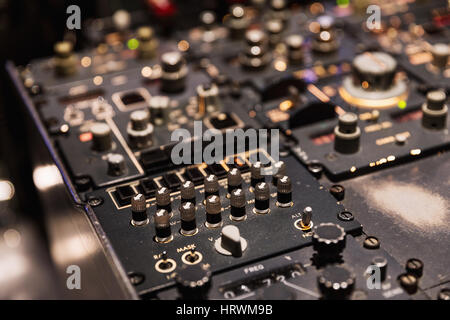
(375, 63)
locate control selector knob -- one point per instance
(328, 240)
(116, 164)
(174, 72)
(256, 55)
(147, 43)
(159, 110)
(163, 200)
(208, 98)
(230, 242)
(326, 40)
(435, 110)
(373, 71)
(440, 52)
(279, 10)
(256, 173)
(234, 179)
(262, 198)
(211, 183)
(65, 61)
(140, 130)
(162, 226)
(278, 170)
(284, 192)
(336, 282)
(347, 134)
(101, 137)
(213, 212)
(139, 210)
(294, 45)
(275, 28)
(187, 216)
(193, 281)
(237, 22)
(187, 192)
(237, 205)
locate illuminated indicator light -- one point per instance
(415, 152)
(316, 8)
(365, 85)
(6, 190)
(98, 80)
(325, 35)
(383, 160)
(280, 65)
(133, 44)
(342, 3)
(391, 158)
(372, 164)
(402, 104)
(183, 45)
(286, 105)
(85, 137)
(353, 169)
(64, 128)
(314, 27)
(86, 61)
(147, 72)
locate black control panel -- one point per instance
(358, 117)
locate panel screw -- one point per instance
(315, 168)
(95, 201)
(136, 278)
(408, 282)
(338, 192)
(371, 242)
(415, 267)
(345, 216)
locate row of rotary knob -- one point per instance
(212, 201)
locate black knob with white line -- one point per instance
(262, 198)
(187, 217)
(139, 210)
(328, 241)
(256, 173)
(162, 226)
(140, 130)
(187, 192)
(163, 200)
(213, 212)
(101, 137)
(116, 164)
(237, 205)
(174, 72)
(284, 192)
(193, 281)
(230, 242)
(211, 183)
(336, 282)
(374, 71)
(234, 179)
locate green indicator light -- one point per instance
(402, 104)
(342, 3)
(133, 44)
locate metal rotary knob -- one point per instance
(256, 55)
(256, 173)
(237, 205)
(325, 40)
(193, 281)
(278, 170)
(174, 72)
(139, 210)
(328, 241)
(208, 98)
(294, 44)
(65, 61)
(234, 179)
(211, 183)
(336, 282)
(347, 134)
(187, 192)
(187, 217)
(230, 242)
(213, 211)
(162, 226)
(140, 130)
(163, 200)
(116, 164)
(284, 192)
(237, 21)
(435, 110)
(262, 198)
(374, 71)
(440, 52)
(147, 43)
(101, 137)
